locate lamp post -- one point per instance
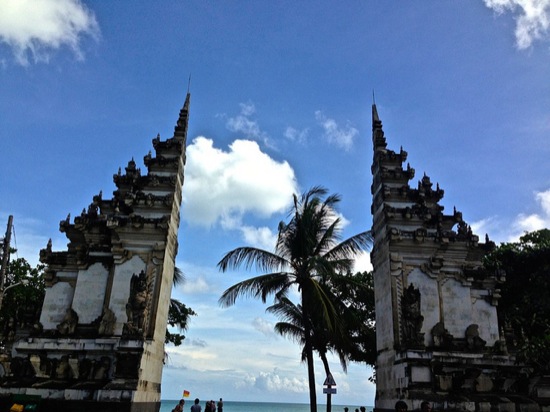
(3, 291)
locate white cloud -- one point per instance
(261, 237)
(196, 285)
(36, 28)
(362, 263)
(250, 129)
(532, 20)
(340, 136)
(274, 382)
(528, 223)
(500, 231)
(298, 136)
(264, 326)
(220, 187)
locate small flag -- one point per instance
(186, 394)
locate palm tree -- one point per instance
(307, 253)
(293, 328)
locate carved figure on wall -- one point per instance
(136, 306)
(63, 369)
(107, 323)
(84, 369)
(473, 340)
(441, 337)
(68, 326)
(102, 368)
(21, 368)
(412, 317)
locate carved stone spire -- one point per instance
(377, 133)
(180, 131)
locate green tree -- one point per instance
(307, 254)
(355, 298)
(524, 307)
(178, 313)
(21, 304)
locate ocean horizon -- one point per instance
(233, 406)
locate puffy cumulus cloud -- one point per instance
(532, 21)
(500, 231)
(261, 237)
(274, 382)
(294, 135)
(264, 326)
(195, 285)
(220, 187)
(528, 223)
(35, 28)
(340, 136)
(362, 263)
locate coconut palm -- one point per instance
(293, 328)
(307, 253)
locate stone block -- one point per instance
(421, 374)
(483, 407)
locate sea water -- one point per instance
(229, 406)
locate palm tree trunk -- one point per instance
(311, 378)
(308, 347)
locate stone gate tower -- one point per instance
(438, 337)
(100, 341)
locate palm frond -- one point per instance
(259, 286)
(262, 259)
(351, 246)
(179, 277)
(290, 331)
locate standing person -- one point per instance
(179, 406)
(220, 405)
(362, 409)
(425, 407)
(196, 407)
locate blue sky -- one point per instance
(281, 95)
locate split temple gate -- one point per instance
(99, 344)
(100, 341)
(437, 332)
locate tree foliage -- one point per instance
(308, 257)
(178, 314)
(21, 304)
(355, 296)
(524, 308)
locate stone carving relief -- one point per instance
(473, 341)
(412, 318)
(67, 327)
(442, 339)
(136, 308)
(107, 323)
